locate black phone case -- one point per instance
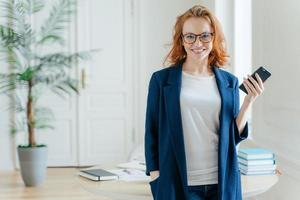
(263, 74)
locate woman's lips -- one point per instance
(197, 51)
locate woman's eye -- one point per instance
(205, 35)
(190, 36)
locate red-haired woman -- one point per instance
(193, 119)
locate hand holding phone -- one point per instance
(263, 74)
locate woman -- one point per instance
(193, 120)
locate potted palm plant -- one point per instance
(33, 69)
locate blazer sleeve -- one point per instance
(244, 134)
(151, 126)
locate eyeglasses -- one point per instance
(190, 38)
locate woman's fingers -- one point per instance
(256, 85)
(247, 88)
(250, 86)
(260, 82)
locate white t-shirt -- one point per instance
(200, 105)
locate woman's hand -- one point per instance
(254, 88)
(154, 175)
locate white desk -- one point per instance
(121, 190)
(255, 185)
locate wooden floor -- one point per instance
(60, 184)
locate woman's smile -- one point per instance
(198, 50)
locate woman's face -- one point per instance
(194, 30)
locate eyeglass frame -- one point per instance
(198, 35)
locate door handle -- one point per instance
(83, 78)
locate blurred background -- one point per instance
(105, 122)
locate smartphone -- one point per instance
(263, 74)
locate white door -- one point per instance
(96, 127)
(105, 108)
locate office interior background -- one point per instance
(105, 123)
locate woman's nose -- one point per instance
(198, 41)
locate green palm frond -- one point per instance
(18, 125)
(65, 87)
(10, 82)
(13, 13)
(60, 59)
(34, 6)
(49, 77)
(9, 38)
(7, 9)
(44, 112)
(15, 58)
(48, 39)
(58, 20)
(26, 7)
(71, 84)
(17, 15)
(44, 118)
(20, 7)
(19, 105)
(29, 34)
(59, 92)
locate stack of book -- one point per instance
(256, 161)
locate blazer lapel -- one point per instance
(227, 102)
(226, 93)
(172, 103)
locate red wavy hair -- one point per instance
(218, 55)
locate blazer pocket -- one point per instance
(154, 179)
(153, 185)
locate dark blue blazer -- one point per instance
(164, 142)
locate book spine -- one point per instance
(258, 173)
(257, 167)
(256, 157)
(256, 162)
(91, 177)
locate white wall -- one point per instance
(276, 28)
